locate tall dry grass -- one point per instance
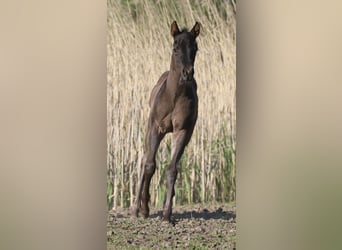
(139, 51)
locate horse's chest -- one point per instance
(184, 111)
(174, 112)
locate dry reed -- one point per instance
(139, 51)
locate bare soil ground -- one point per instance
(193, 227)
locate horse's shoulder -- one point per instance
(159, 87)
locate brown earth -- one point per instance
(193, 227)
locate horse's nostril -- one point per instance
(191, 71)
(188, 72)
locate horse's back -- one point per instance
(161, 84)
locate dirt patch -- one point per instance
(194, 227)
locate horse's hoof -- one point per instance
(167, 221)
(145, 213)
(135, 212)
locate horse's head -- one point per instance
(184, 49)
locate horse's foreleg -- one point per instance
(138, 198)
(153, 138)
(179, 140)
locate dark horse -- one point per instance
(173, 104)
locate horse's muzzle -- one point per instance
(188, 73)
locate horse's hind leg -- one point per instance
(179, 140)
(153, 138)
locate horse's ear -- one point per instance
(196, 29)
(174, 29)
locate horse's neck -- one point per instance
(173, 78)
